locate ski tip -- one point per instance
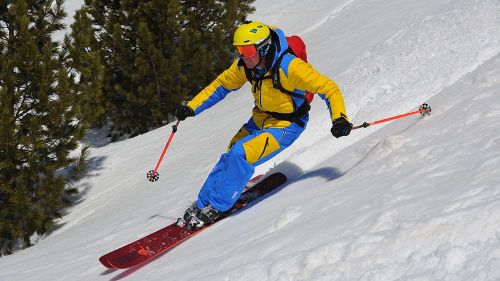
(104, 261)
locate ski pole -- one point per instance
(153, 174)
(424, 109)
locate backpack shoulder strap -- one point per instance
(276, 75)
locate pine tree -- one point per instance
(86, 69)
(40, 121)
(210, 27)
(157, 53)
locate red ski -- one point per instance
(172, 235)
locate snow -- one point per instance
(416, 199)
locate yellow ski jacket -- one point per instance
(295, 75)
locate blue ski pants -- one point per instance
(250, 147)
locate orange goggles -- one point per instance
(247, 51)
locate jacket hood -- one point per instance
(280, 46)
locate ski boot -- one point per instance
(195, 218)
(190, 212)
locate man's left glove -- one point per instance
(184, 112)
(341, 127)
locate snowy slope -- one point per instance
(418, 199)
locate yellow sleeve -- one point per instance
(303, 76)
(230, 80)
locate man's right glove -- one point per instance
(341, 127)
(184, 112)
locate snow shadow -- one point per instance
(295, 173)
(291, 170)
(93, 165)
(96, 138)
(327, 173)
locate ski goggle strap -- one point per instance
(247, 51)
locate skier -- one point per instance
(279, 117)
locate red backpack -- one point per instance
(298, 49)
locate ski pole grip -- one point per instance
(174, 127)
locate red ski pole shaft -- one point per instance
(153, 174)
(423, 110)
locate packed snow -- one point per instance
(414, 199)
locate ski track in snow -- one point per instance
(465, 232)
(328, 17)
(455, 42)
(418, 229)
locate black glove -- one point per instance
(184, 112)
(341, 127)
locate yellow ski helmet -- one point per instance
(251, 33)
(254, 34)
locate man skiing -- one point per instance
(279, 117)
